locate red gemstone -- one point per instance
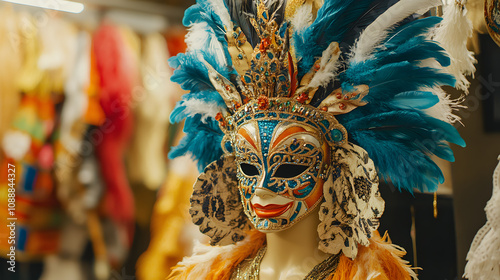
(302, 97)
(218, 117)
(264, 44)
(263, 102)
(342, 106)
(338, 95)
(324, 109)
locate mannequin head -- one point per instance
(280, 170)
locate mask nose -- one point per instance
(264, 193)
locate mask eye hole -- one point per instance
(289, 170)
(249, 169)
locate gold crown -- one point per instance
(269, 88)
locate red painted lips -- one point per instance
(271, 210)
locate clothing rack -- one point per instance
(173, 13)
(142, 16)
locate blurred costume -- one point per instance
(10, 54)
(484, 254)
(146, 163)
(32, 138)
(172, 233)
(116, 63)
(296, 107)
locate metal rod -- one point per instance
(174, 14)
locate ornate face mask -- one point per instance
(281, 171)
(288, 109)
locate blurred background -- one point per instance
(85, 95)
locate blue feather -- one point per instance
(189, 73)
(450, 132)
(202, 12)
(401, 142)
(415, 100)
(202, 141)
(407, 169)
(179, 113)
(395, 78)
(411, 30)
(333, 20)
(413, 50)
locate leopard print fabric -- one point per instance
(216, 204)
(352, 203)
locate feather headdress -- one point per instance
(363, 66)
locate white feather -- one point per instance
(329, 65)
(196, 106)
(198, 38)
(452, 33)
(446, 106)
(303, 17)
(371, 37)
(220, 9)
(204, 255)
(203, 258)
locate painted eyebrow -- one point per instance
(287, 132)
(243, 132)
(311, 138)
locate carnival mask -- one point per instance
(281, 167)
(271, 103)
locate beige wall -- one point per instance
(472, 172)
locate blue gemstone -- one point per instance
(228, 146)
(247, 79)
(257, 56)
(240, 56)
(257, 77)
(270, 55)
(336, 135)
(273, 66)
